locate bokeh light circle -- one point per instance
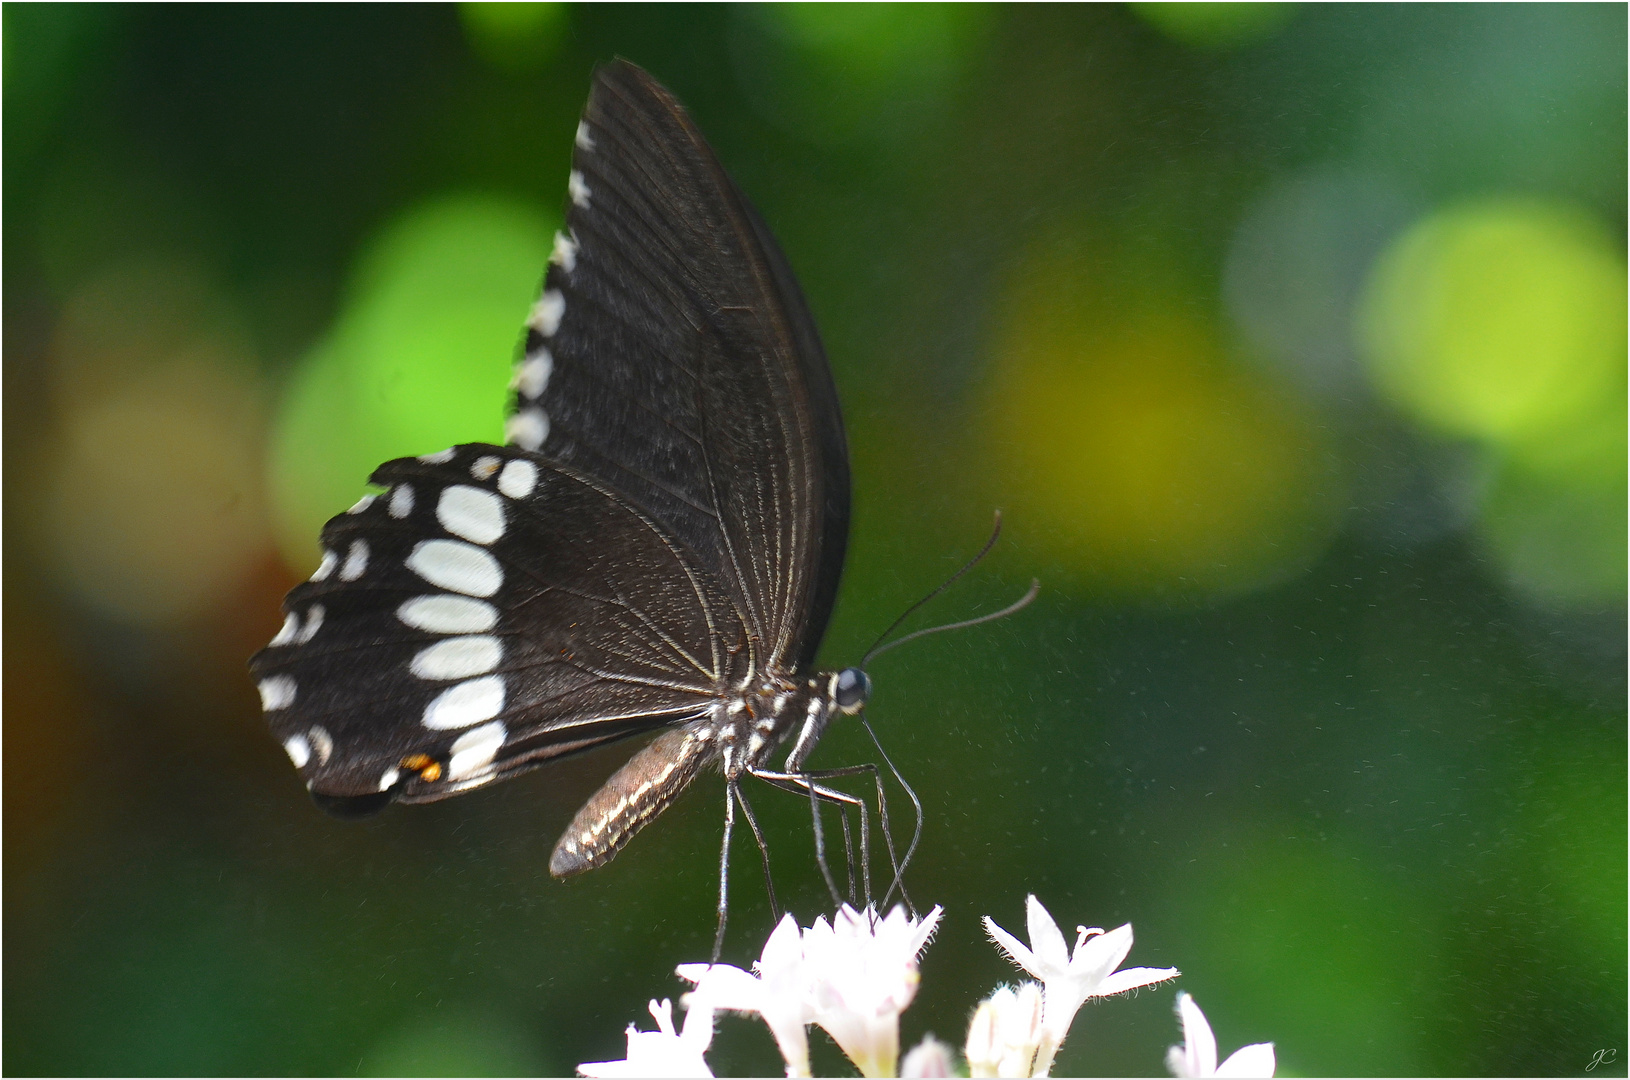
(418, 360)
(1500, 319)
(1142, 459)
(155, 506)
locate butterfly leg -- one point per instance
(763, 848)
(898, 865)
(724, 868)
(800, 782)
(817, 796)
(916, 803)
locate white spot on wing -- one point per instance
(527, 428)
(322, 742)
(325, 567)
(298, 749)
(388, 781)
(361, 504)
(277, 692)
(448, 614)
(465, 704)
(314, 622)
(547, 312)
(578, 190)
(471, 512)
(583, 140)
(458, 658)
(291, 628)
(484, 466)
(456, 566)
(356, 562)
(401, 501)
(532, 374)
(518, 479)
(565, 253)
(474, 750)
(440, 457)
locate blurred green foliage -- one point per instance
(417, 360)
(1291, 339)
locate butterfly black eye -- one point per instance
(854, 688)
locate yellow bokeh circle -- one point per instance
(1144, 462)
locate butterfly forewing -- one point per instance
(673, 356)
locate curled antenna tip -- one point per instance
(878, 646)
(1018, 605)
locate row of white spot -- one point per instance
(468, 572)
(529, 427)
(471, 752)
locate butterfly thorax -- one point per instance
(752, 724)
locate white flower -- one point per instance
(1070, 978)
(853, 976)
(862, 975)
(929, 1058)
(1005, 1032)
(663, 1052)
(1198, 1054)
(779, 992)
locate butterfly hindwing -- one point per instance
(487, 611)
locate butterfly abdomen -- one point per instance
(635, 794)
(738, 734)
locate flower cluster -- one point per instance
(855, 975)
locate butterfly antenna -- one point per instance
(879, 648)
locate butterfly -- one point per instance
(655, 549)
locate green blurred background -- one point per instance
(1290, 339)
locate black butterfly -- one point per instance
(657, 547)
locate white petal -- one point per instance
(724, 985)
(1254, 1060)
(1132, 978)
(929, 1058)
(1046, 942)
(1198, 1056)
(1101, 954)
(1013, 947)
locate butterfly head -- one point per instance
(852, 690)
